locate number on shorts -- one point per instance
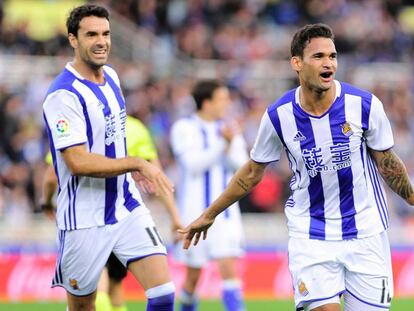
(154, 235)
(385, 293)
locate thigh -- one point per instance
(82, 256)
(369, 271)
(137, 238)
(151, 271)
(316, 273)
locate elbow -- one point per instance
(76, 168)
(256, 172)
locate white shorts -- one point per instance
(83, 253)
(325, 269)
(224, 240)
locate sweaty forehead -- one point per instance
(94, 23)
(320, 45)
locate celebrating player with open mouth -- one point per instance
(338, 141)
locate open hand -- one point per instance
(194, 230)
(153, 179)
(144, 184)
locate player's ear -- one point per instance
(296, 63)
(73, 41)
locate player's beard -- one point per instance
(87, 57)
(316, 85)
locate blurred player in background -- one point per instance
(139, 144)
(208, 151)
(338, 141)
(99, 208)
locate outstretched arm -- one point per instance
(242, 182)
(393, 171)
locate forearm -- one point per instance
(103, 167)
(83, 163)
(243, 181)
(49, 185)
(394, 173)
(49, 190)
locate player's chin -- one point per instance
(325, 85)
(99, 61)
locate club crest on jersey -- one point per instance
(62, 127)
(299, 136)
(73, 283)
(346, 129)
(302, 288)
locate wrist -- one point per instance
(210, 214)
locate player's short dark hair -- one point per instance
(204, 90)
(78, 13)
(303, 36)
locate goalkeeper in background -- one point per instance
(139, 144)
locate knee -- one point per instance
(161, 295)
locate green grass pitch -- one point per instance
(207, 305)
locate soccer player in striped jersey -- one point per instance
(99, 208)
(139, 144)
(339, 142)
(208, 150)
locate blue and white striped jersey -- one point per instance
(336, 188)
(205, 165)
(78, 111)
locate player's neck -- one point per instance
(205, 116)
(91, 74)
(316, 103)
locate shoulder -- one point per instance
(287, 98)
(182, 129)
(61, 96)
(349, 89)
(184, 124)
(64, 81)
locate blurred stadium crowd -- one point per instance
(246, 43)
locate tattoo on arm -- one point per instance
(393, 171)
(242, 184)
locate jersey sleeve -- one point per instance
(139, 142)
(184, 145)
(65, 120)
(268, 146)
(379, 135)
